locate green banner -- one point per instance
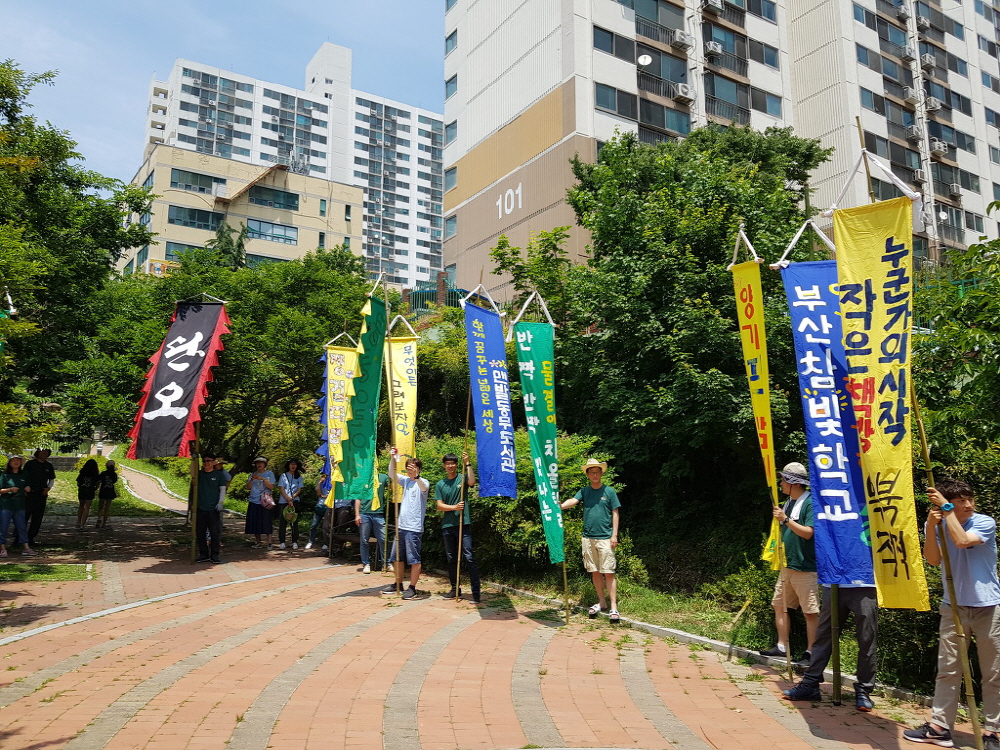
(538, 384)
(358, 466)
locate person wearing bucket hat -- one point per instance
(797, 584)
(600, 535)
(290, 490)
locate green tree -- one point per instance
(542, 267)
(232, 251)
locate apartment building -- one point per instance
(325, 130)
(530, 84)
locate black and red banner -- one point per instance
(177, 384)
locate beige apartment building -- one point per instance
(286, 214)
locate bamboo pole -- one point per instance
(193, 502)
(963, 638)
(462, 495)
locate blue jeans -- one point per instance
(411, 542)
(372, 525)
(318, 514)
(469, 566)
(20, 525)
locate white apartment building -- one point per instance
(327, 130)
(529, 84)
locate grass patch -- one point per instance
(63, 501)
(42, 572)
(177, 484)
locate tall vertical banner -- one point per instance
(358, 466)
(536, 363)
(843, 545)
(340, 368)
(490, 386)
(874, 257)
(403, 391)
(177, 384)
(753, 338)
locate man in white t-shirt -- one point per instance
(410, 523)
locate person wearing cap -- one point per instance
(600, 535)
(208, 516)
(797, 582)
(259, 518)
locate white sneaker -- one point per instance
(295, 545)
(309, 545)
(325, 548)
(281, 546)
(367, 569)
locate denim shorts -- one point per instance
(411, 546)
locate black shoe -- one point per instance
(390, 590)
(476, 598)
(803, 662)
(203, 559)
(991, 742)
(803, 692)
(410, 593)
(450, 594)
(928, 734)
(862, 701)
(773, 651)
(216, 561)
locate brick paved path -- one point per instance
(290, 650)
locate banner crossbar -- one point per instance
(483, 294)
(742, 236)
(345, 333)
(524, 309)
(783, 263)
(397, 319)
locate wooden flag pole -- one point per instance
(392, 439)
(963, 638)
(463, 495)
(193, 502)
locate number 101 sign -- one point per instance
(506, 202)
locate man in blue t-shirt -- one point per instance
(410, 523)
(600, 535)
(972, 552)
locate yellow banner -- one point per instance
(750, 318)
(341, 369)
(401, 351)
(874, 257)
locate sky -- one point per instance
(107, 51)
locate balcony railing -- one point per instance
(646, 135)
(951, 233)
(652, 30)
(727, 110)
(729, 61)
(656, 85)
(734, 15)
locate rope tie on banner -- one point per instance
(345, 333)
(783, 263)
(741, 236)
(868, 158)
(524, 308)
(483, 295)
(398, 319)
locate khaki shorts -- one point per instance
(799, 589)
(598, 557)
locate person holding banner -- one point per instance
(410, 523)
(448, 493)
(972, 552)
(372, 522)
(600, 535)
(797, 584)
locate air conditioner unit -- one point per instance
(923, 23)
(681, 39)
(713, 49)
(939, 147)
(914, 133)
(909, 54)
(211, 102)
(955, 189)
(373, 111)
(911, 94)
(919, 177)
(713, 6)
(933, 104)
(684, 93)
(281, 137)
(902, 13)
(928, 61)
(274, 118)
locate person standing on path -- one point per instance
(13, 486)
(208, 514)
(448, 494)
(106, 482)
(259, 518)
(600, 535)
(798, 585)
(86, 490)
(290, 488)
(319, 513)
(372, 523)
(972, 551)
(41, 476)
(410, 524)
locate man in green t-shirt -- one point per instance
(448, 493)
(208, 514)
(797, 585)
(600, 535)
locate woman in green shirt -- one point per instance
(13, 482)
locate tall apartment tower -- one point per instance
(327, 130)
(530, 84)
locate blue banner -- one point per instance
(843, 543)
(490, 386)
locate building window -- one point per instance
(265, 230)
(322, 206)
(614, 44)
(450, 87)
(874, 102)
(620, 102)
(347, 212)
(176, 249)
(763, 9)
(181, 179)
(657, 116)
(764, 53)
(265, 196)
(148, 182)
(451, 41)
(195, 218)
(322, 240)
(764, 101)
(450, 226)
(450, 132)
(142, 256)
(664, 66)
(449, 4)
(450, 178)
(347, 243)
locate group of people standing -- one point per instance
(972, 551)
